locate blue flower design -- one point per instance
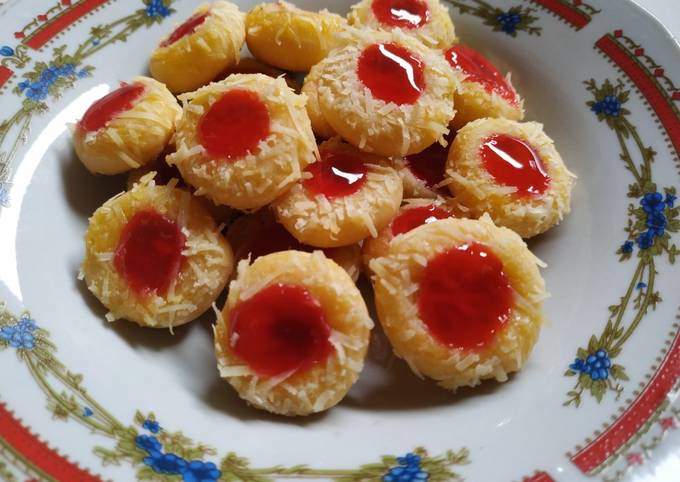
(169, 464)
(645, 240)
(87, 412)
(20, 335)
(408, 470)
(173, 464)
(49, 75)
(627, 247)
(199, 471)
(148, 443)
(6, 51)
(641, 285)
(670, 200)
(609, 106)
(151, 425)
(82, 74)
(509, 21)
(653, 202)
(157, 9)
(656, 223)
(96, 42)
(28, 324)
(596, 365)
(38, 90)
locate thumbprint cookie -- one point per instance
(414, 213)
(244, 141)
(127, 128)
(428, 20)
(199, 49)
(460, 300)
(293, 334)
(387, 93)
(345, 197)
(290, 38)
(511, 171)
(154, 256)
(484, 91)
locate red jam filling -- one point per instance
(279, 330)
(149, 253)
(269, 238)
(513, 162)
(187, 28)
(109, 106)
(429, 166)
(392, 73)
(465, 297)
(337, 174)
(165, 173)
(234, 125)
(413, 217)
(408, 14)
(478, 69)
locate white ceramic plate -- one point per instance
(86, 400)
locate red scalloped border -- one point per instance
(628, 56)
(5, 74)
(46, 26)
(589, 458)
(61, 22)
(661, 100)
(570, 13)
(32, 448)
(540, 476)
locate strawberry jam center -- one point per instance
(149, 253)
(465, 297)
(266, 239)
(513, 162)
(187, 28)
(337, 174)
(429, 165)
(392, 73)
(280, 330)
(234, 125)
(477, 68)
(109, 106)
(407, 14)
(411, 218)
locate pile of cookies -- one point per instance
(402, 155)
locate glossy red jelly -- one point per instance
(187, 28)
(407, 14)
(279, 330)
(513, 162)
(149, 253)
(267, 239)
(109, 106)
(234, 125)
(430, 165)
(465, 297)
(413, 217)
(337, 174)
(477, 68)
(392, 73)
